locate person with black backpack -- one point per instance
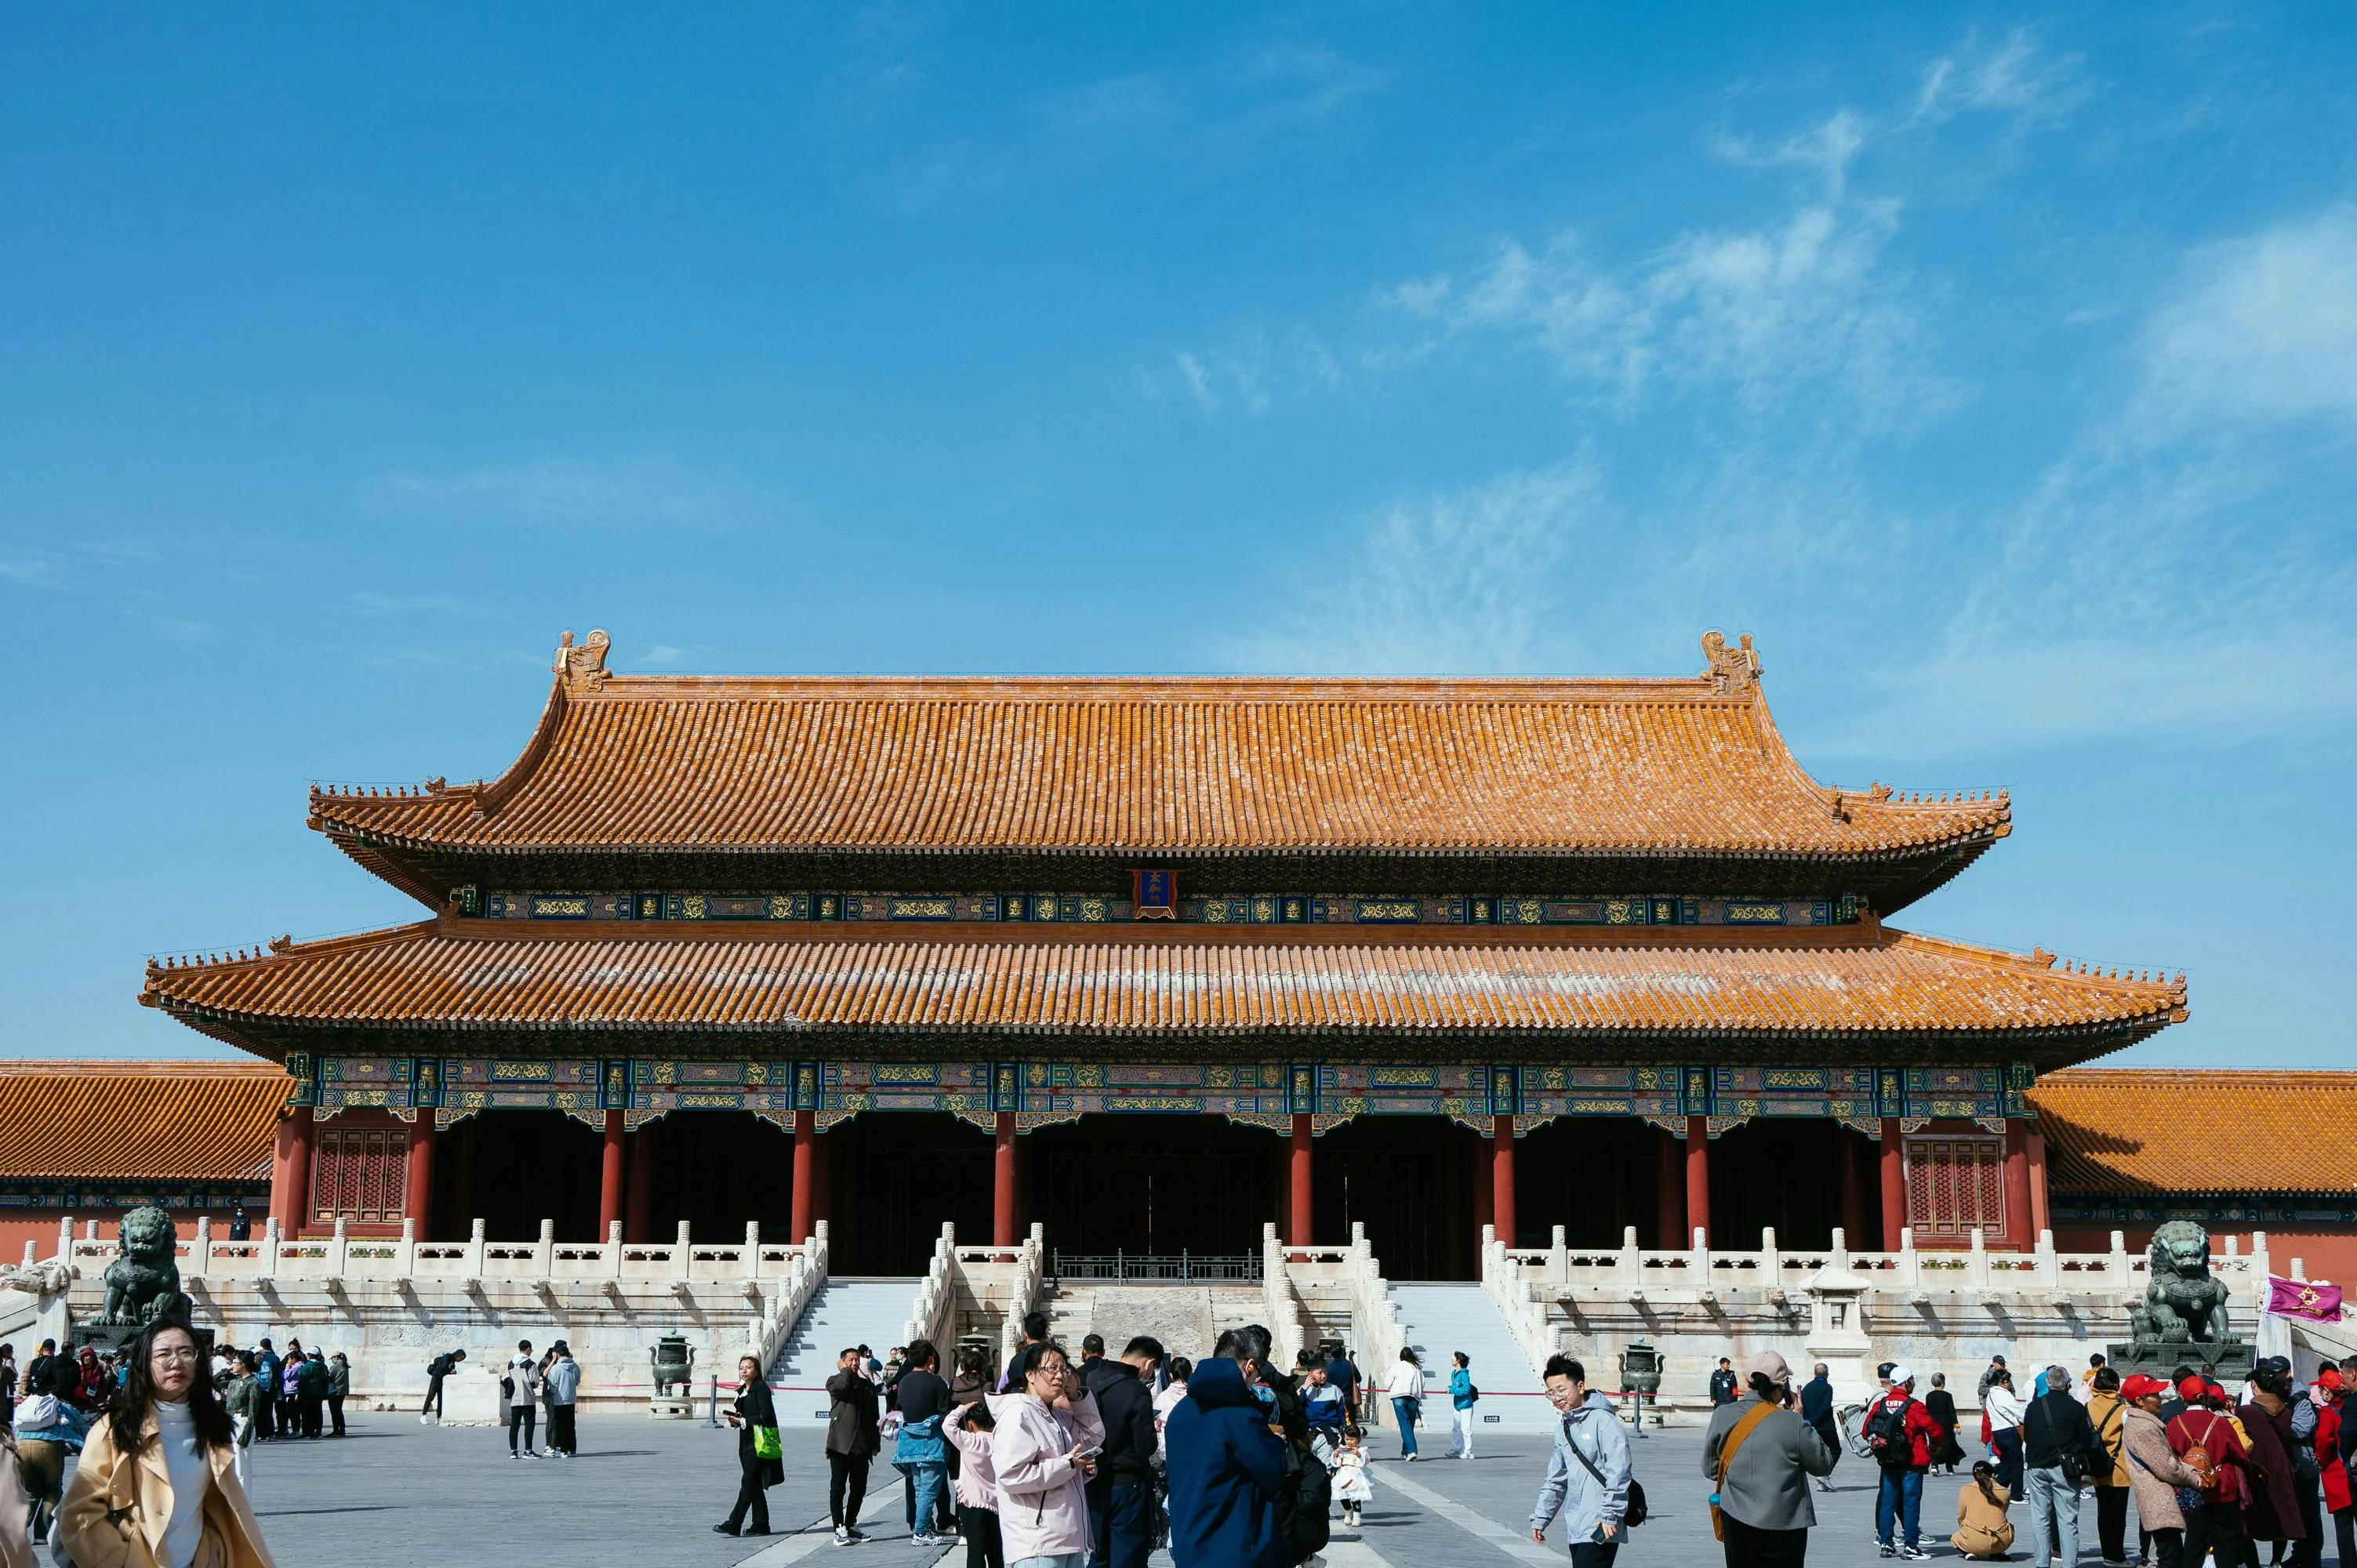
(1900, 1432)
(2058, 1455)
(1590, 1481)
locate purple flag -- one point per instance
(2304, 1298)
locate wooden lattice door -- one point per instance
(357, 1175)
(1952, 1185)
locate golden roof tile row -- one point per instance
(457, 974)
(2126, 1131)
(138, 1121)
(1204, 766)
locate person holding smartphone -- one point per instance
(1587, 1478)
(1044, 1449)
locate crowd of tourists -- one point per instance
(1231, 1461)
(2207, 1473)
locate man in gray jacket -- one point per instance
(1587, 1478)
(1762, 1485)
(561, 1385)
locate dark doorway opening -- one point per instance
(720, 1171)
(1409, 1180)
(1152, 1184)
(512, 1169)
(898, 1177)
(1785, 1175)
(1594, 1176)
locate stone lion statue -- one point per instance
(143, 1283)
(2184, 1302)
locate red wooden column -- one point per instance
(1697, 1176)
(1669, 1191)
(2042, 1218)
(1894, 1184)
(1004, 1221)
(1502, 1177)
(1485, 1184)
(638, 1209)
(2017, 1187)
(1298, 1201)
(822, 1181)
(1853, 1190)
(290, 1171)
(609, 1175)
(805, 1152)
(418, 1185)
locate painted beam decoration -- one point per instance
(1264, 1094)
(1154, 896)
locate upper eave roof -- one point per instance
(1173, 983)
(1152, 767)
(138, 1121)
(2128, 1131)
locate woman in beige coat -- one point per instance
(2155, 1471)
(16, 1545)
(157, 1484)
(1982, 1529)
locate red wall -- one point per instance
(39, 1226)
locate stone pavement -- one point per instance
(646, 1493)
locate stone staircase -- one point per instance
(1441, 1320)
(1188, 1317)
(845, 1312)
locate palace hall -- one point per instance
(1154, 962)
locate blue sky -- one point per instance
(1996, 368)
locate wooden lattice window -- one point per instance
(359, 1174)
(1952, 1185)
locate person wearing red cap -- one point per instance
(2156, 1473)
(2108, 1409)
(2328, 1397)
(2216, 1522)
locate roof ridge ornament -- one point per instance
(582, 668)
(1733, 670)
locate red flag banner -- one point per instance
(2304, 1298)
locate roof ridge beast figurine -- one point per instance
(142, 1283)
(2185, 1303)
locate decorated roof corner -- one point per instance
(583, 668)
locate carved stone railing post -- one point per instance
(2049, 1266)
(543, 1262)
(66, 1241)
(477, 1246)
(340, 1247)
(613, 1249)
(1558, 1258)
(683, 1257)
(1977, 1273)
(406, 1266)
(752, 1249)
(270, 1242)
(1911, 1262)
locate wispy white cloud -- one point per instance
(28, 571)
(403, 605)
(664, 655)
(1253, 372)
(2015, 79)
(2266, 328)
(1468, 583)
(609, 492)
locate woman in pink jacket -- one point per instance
(969, 1430)
(1044, 1451)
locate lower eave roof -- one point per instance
(2121, 1132)
(138, 1121)
(1151, 982)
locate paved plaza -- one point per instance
(646, 1493)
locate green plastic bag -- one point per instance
(766, 1443)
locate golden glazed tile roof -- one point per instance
(2127, 1130)
(1192, 767)
(138, 1121)
(1168, 981)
